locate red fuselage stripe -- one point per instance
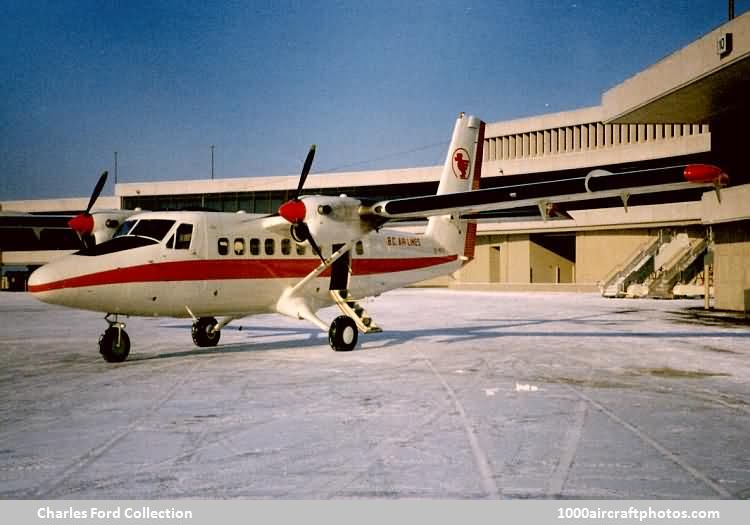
(212, 270)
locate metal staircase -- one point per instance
(680, 268)
(636, 268)
(357, 312)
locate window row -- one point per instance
(269, 246)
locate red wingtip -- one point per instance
(293, 211)
(705, 173)
(83, 223)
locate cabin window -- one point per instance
(286, 246)
(301, 249)
(184, 236)
(270, 246)
(254, 246)
(223, 246)
(359, 248)
(239, 246)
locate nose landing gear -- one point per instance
(114, 343)
(206, 332)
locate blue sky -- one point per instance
(374, 84)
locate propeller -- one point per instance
(294, 210)
(83, 224)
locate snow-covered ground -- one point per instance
(464, 395)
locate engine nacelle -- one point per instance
(334, 219)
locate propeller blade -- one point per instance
(305, 171)
(315, 247)
(301, 233)
(97, 190)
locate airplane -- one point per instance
(315, 251)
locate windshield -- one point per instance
(124, 228)
(155, 229)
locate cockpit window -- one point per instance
(184, 236)
(155, 229)
(124, 228)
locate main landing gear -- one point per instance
(342, 336)
(114, 343)
(205, 332)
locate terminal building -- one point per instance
(691, 107)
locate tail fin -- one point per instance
(461, 172)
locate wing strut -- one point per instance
(296, 304)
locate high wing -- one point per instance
(597, 184)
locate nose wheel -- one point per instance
(205, 333)
(114, 343)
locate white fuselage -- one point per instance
(212, 264)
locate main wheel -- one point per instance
(114, 345)
(203, 333)
(342, 336)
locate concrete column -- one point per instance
(577, 138)
(632, 134)
(584, 137)
(505, 146)
(512, 147)
(491, 150)
(547, 148)
(526, 147)
(539, 143)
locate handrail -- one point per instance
(678, 263)
(645, 249)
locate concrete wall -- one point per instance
(544, 266)
(499, 259)
(732, 266)
(599, 252)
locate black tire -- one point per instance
(202, 336)
(342, 336)
(114, 345)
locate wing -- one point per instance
(598, 184)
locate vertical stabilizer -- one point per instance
(461, 172)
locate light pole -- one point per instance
(115, 167)
(212, 161)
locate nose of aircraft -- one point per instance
(42, 283)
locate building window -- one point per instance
(270, 246)
(254, 246)
(223, 246)
(239, 246)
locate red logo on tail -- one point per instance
(461, 162)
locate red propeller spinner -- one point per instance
(293, 211)
(82, 224)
